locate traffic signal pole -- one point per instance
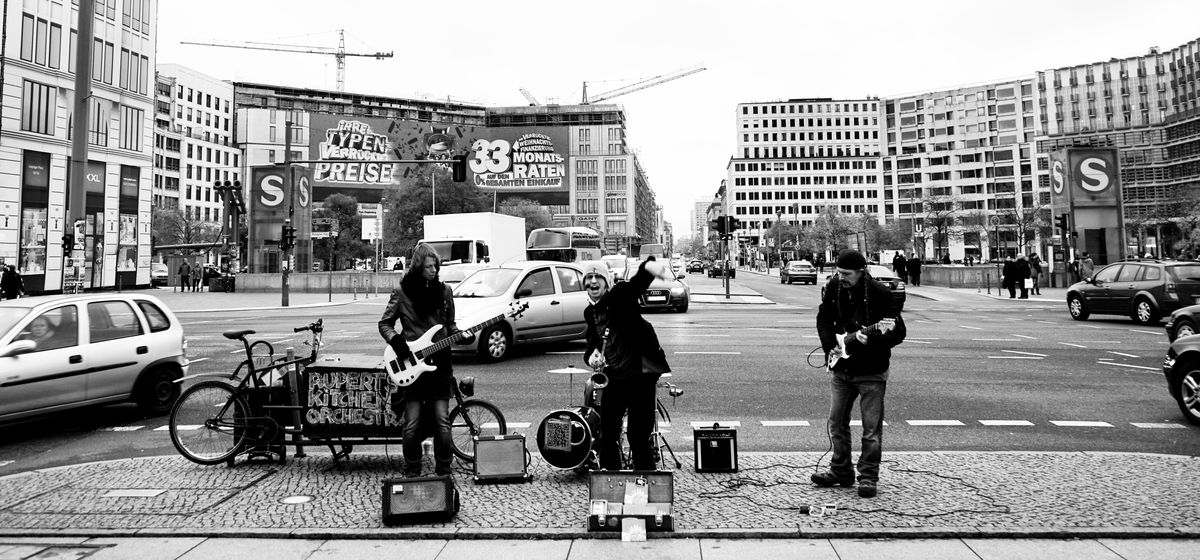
(285, 251)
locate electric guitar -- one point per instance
(403, 371)
(840, 353)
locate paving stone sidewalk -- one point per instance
(933, 494)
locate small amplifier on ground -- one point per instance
(500, 459)
(716, 449)
(429, 499)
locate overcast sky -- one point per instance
(683, 130)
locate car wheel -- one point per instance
(1077, 308)
(495, 343)
(1144, 311)
(683, 307)
(1186, 384)
(156, 391)
(1184, 328)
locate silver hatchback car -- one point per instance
(62, 352)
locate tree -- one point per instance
(830, 229)
(348, 243)
(536, 216)
(892, 235)
(409, 203)
(1029, 221)
(169, 226)
(940, 214)
(1187, 218)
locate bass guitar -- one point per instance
(404, 370)
(840, 353)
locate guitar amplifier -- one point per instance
(715, 449)
(430, 499)
(619, 495)
(501, 459)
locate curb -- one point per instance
(275, 308)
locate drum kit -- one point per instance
(568, 437)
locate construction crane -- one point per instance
(648, 82)
(339, 53)
(529, 97)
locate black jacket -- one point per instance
(913, 266)
(630, 337)
(412, 325)
(843, 311)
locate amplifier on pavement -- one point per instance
(501, 458)
(715, 449)
(428, 499)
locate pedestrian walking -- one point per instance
(12, 286)
(625, 347)
(900, 266)
(1008, 276)
(968, 260)
(185, 276)
(420, 303)
(856, 307)
(1086, 266)
(1022, 271)
(946, 258)
(1035, 273)
(913, 266)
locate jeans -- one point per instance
(635, 396)
(438, 410)
(871, 405)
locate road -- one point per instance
(974, 374)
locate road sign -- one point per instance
(322, 234)
(995, 220)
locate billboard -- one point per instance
(521, 159)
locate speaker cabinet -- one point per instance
(430, 499)
(501, 459)
(715, 449)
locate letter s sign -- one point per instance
(1094, 174)
(272, 190)
(1056, 177)
(302, 191)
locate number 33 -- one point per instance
(490, 156)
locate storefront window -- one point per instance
(127, 243)
(33, 241)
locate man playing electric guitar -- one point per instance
(858, 326)
(419, 304)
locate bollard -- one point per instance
(354, 287)
(987, 280)
(293, 382)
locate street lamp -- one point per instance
(778, 236)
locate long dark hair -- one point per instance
(426, 298)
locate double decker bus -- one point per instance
(565, 244)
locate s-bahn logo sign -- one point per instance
(529, 162)
(1093, 176)
(1056, 177)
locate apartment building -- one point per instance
(36, 122)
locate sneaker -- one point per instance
(827, 479)
(867, 489)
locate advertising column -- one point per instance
(1094, 185)
(270, 201)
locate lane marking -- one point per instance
(1146, 332)
(1131, 366)
(924, 321)
(1023, 336)
(718, 353)
(1025, 353)
(970, 327)
(1048, 322)
(1106, 359)
(995, 340)
(784, 423)
(934, 423)
(772, 329)
(918, 341)
(1101, 341)
(121, 428)
(1014, 357)
(1123, 354)
(921, 338)
(1075, 345)
(5, 463)
(1006, 422)
(196, 360)
(181, 427)
(725, 424)
(1080, 424)
(859, 423)
(705, 335)
(1159, 425)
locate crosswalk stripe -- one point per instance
(121, 428)
(1075, 345)
(934, 423)
(1024, 353)
(1159, 425)
(1123, 354)
(1130, 366)
(1006, 422)
(1014, 357)
(784, 423)
(1023, 336)
(970, 327)
(723, 424)
(859, 423)
(1080, 424)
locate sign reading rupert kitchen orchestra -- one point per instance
(531, 161)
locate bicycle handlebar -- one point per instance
(315, 327)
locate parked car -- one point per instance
(1143, 290)
(715, 271)
(1182, 371)
(158, 274)
(1183, 322)
(801, 271)
(553, 290)
(695, 266)
(667, 293)
(63, 352)
(451, 275)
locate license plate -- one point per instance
(656, 298)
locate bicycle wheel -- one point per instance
(474, 418)
(204, 423)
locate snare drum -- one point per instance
(567, 437)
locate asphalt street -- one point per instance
(975, 374)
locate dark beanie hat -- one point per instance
(850, 259)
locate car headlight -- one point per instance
(899, 286)
(677, 291)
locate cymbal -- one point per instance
(569, 369)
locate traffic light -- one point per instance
(287, 236)
(734, 224)
(719, 224)
(460, 168)
(1060, 222)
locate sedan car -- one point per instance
(1182, 371)
(1142, 290)
(695, 266)
(715, 271)
(553, 290)
(671, 292)
(63, 352)
(1183, 322)
(886, 277)
(802, 271)
(158, 274)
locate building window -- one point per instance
(131, 128)
(37, 109)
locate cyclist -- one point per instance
(420, 303)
